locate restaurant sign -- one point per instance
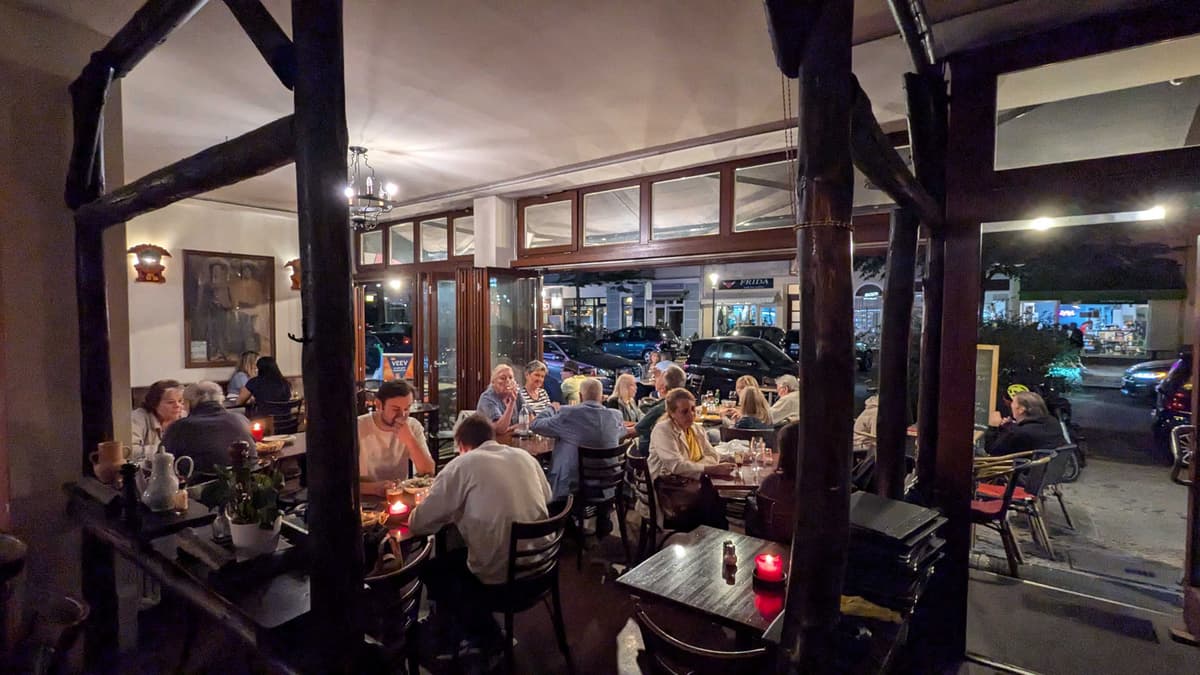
(747, 284)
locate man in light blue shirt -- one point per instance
(587, 424)
(500, 403)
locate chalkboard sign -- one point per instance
(987, 371)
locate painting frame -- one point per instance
(227, 299)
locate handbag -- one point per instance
(678, 496)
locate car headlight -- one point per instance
(1149, 375)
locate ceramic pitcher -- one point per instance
(163, 483)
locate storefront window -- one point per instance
(464, 235)
(400, 244)
(762, 197)
(433, 240)
(513, 311)
(548, 224)
(371, 251)
(585, 313)
(686, 207)
(612, 217)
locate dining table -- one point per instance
(535, 444)
(690, 572)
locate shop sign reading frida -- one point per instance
(747, 284)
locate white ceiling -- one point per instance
(452, 94)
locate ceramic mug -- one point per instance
(190, 466)
(106, 473)
(110, 452)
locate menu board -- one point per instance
(987, 372)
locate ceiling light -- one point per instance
(1042, 223)
(366, 205)
(1155, 212)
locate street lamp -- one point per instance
(712, 277)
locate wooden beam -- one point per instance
(892, 424)
(95, 372)
(791, 23)
(274, 45)
(916, 30)
(328, 324)
(146, 29)
(875, 156)
(89, 93)
(823, 240)
(257, 152)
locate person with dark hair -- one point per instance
(482, 492)
(161, 407)
(772, 509)
(266, 388)
(672, 377)
(388, 438)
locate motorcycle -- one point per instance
(864, 353)
(1060, 407)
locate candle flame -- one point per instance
(398, 508)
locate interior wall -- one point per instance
(156, 314)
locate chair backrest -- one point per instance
(285, 415)
(601, 473)
(668, 654)
(1052, 474)
(533, 547)
(1020, 468)
(776, 523)
(640, 483)
(396, 594)
(733, 433)
(462, 415)
(863, 471)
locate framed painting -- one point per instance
(228, 307)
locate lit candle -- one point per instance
(398, 508)
(768, 567)
(256, 430)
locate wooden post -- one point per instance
(328, 327)
(823, 239)
(891, 426)
(268, 38)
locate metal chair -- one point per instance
(993, 513)
(392, 602)
(601, 476)
(532, 577)
(1029, 497)
(668, 654)
(733, 433)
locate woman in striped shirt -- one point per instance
(533, 395)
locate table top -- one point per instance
(535, 444)
(743, 478)
(689, 571)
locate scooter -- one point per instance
(1060, 407)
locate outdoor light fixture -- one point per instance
(294, 266)
(1155, 212)
(367, 196)
(713, 277)
(148, 263)
(1042, 223)
(394, 284)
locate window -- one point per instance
(686, 207)
(733, 352)
(433, 239)
(612, 217)
(762, 197)
(464, 235)
(400, 244)
(1135, 100)
(548, 224)
(371, 248)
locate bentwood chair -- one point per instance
(669, 655)
(646, 503)
(601, 476)
(993, 513)
(732, 434)
(392, 602)
(532, 577)
(285, 415)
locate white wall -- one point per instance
(156, 339)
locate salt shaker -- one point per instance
(730, 555)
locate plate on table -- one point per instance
(287, 439)
(415, 485)
(266, 447)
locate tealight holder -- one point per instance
(768, 571)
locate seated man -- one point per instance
(388, 438)
(589, 424)
(787, 407)
(864, 424)
(207, 432)
(672, 378)
(499, 403)
(482, 492)
(1032, 427)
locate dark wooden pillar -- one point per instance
(892, 423)
(823, 240)
(328, 325)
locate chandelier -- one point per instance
(367, 197)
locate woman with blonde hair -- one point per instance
(622, 397)
(754, 412)
(246, 369)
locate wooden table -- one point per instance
(743, 479)
(689, 572)
(535, 444)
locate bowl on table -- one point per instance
(416, 485)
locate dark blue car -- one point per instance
(636, 342)
(558, 349)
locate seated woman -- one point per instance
(161, 407)
(534, 397)
(679, 455)
(622, 399)
(245, 370)
(770, 512)
(266, 388)
(734, 412)
(1032, 427)
(754, 413)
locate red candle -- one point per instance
(768, 567)
(398, 508)
(256, 431)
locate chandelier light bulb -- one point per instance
(349, 192)
(390, 189)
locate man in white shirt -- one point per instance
(388, 438)
(482, 492)
(787, 408)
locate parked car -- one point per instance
(396, 338)
(637, 342)
(717, 363)
(1141, 379)
(558, 349)
(1173, 405)
(776, 336)
(793, 344)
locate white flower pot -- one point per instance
(252, 540)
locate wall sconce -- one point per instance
(294, 265)
(148, 263)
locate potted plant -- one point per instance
(250, 499)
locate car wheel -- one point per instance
(1071, 473)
